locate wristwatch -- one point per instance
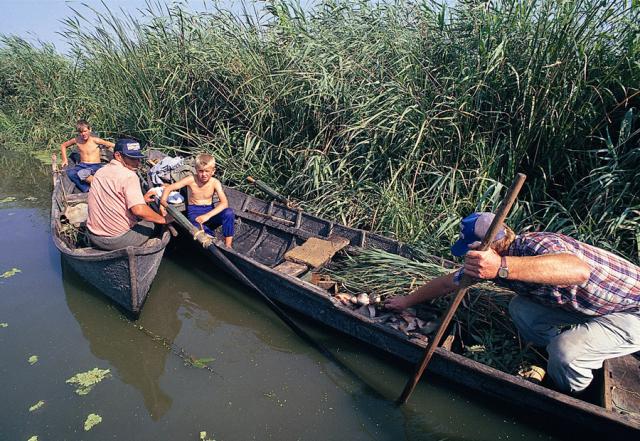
(503, 271)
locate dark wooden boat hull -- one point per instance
(260, 243)
(125, 275)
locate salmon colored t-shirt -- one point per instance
(114, 190)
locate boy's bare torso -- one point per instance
(89, 150)
(202, 193)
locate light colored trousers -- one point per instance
(576, 351)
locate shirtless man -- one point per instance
(201, 188)
(88, 147)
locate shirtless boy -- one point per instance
(88, 147)
(201, 188)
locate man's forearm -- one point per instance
(146, 213)
(435, 288)
(550, 269)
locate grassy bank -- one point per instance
(398, 117)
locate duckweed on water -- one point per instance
(33, 360)
(201, 363)
(203, 436)
(92, 420)
(12, 272)
(36, 406)
(87, 380)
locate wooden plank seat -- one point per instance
(291, 268)
(316, 252)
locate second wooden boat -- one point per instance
(124, 275)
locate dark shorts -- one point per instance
(226, 219)
(81, 172)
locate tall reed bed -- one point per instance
(398, 116)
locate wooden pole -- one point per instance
(268, 190)
(465, 283)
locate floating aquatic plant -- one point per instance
(203, 436)
(4, 325)
(12, 272)
(201, 363)
(36, 406)
(7, 199)
(33, 438)
(87, 380)
(33, 360)
(92, 420)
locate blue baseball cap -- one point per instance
(129, 148)
(473, 228)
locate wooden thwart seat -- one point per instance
(291, 268)
(316, 252)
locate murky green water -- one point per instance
(264, 382)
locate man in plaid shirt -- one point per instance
(581, 302)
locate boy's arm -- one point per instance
(107, 144)
(175, 186)
(63, 150)
(224, 203)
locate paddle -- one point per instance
(465, 283)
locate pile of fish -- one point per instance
(370, 306)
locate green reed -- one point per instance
(396, 116)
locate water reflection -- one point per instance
(24, 178)
(137, 359)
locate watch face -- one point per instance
(503, 273)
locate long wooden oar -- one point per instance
(465, 283)
(208, 243)
(268, 190)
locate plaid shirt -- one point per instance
(613, 286)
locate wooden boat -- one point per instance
(123, 275)
(269, 233)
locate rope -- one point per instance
(198, 233)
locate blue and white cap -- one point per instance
(129, 148)
(473, 228)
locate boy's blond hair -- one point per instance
(205, 160)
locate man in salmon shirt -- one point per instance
(118, 212)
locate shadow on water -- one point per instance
(105, 329)
(25, 178)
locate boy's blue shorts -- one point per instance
(226, 218)
(81, 172)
